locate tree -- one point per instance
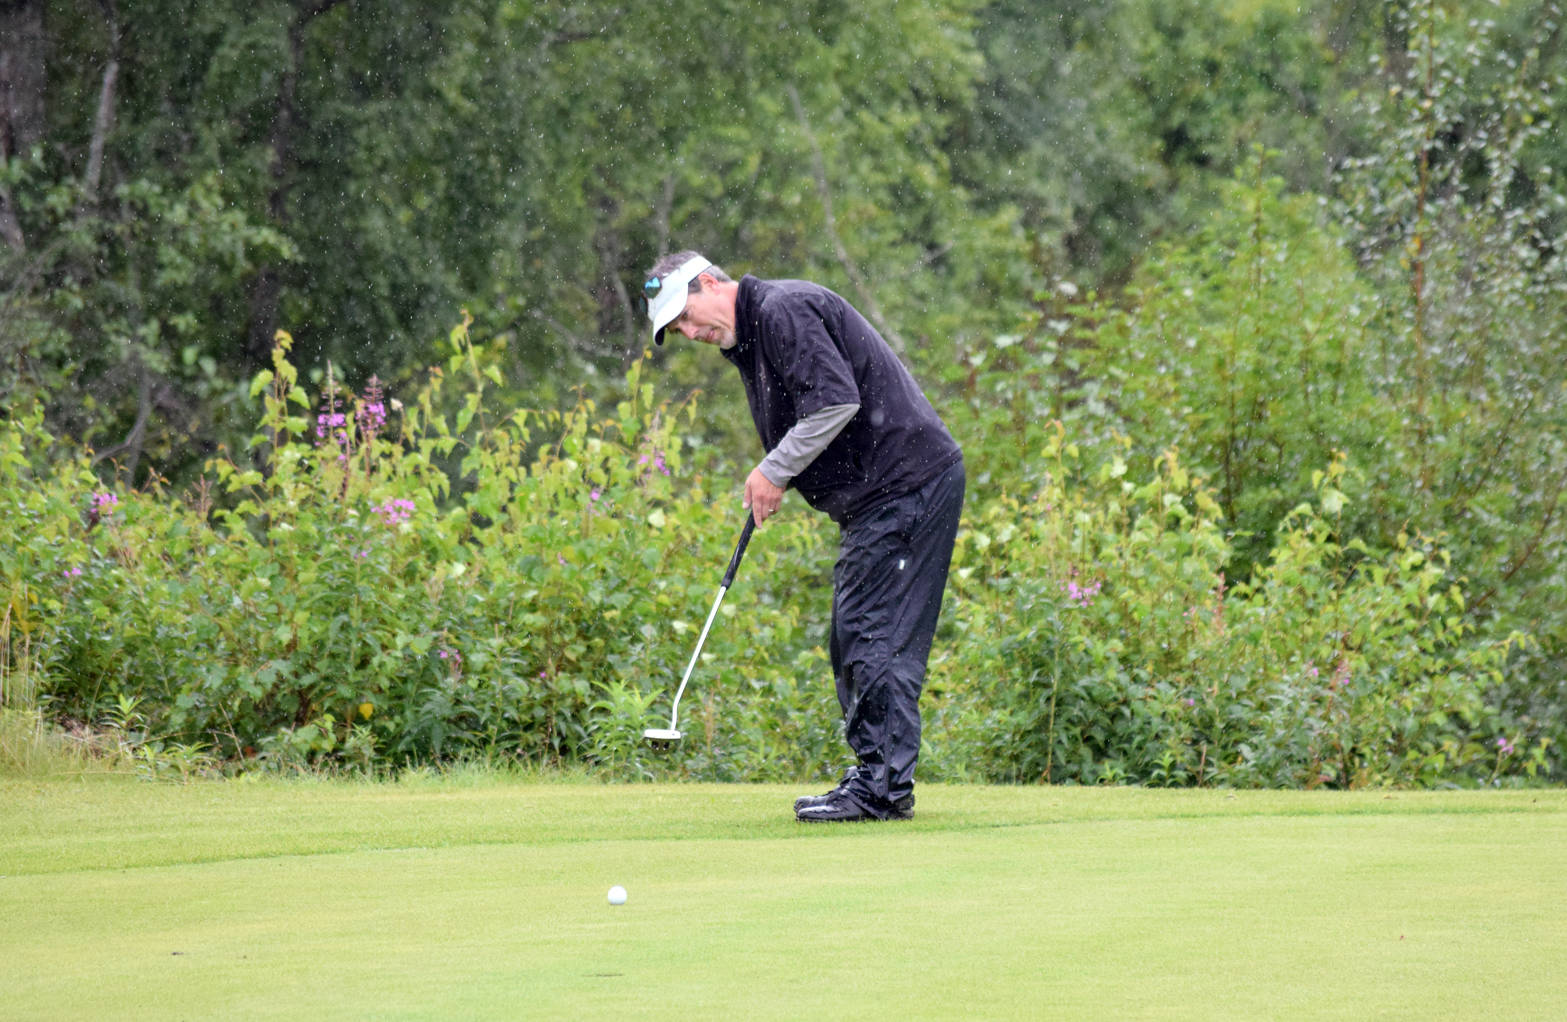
(359, 174)
(21, 99)
(1109, 125)
(1458, 221)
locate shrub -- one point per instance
(378, 586)
(1098, 641)
(351, 601)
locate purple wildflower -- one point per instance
(104, 504)
(395, 512)
(327, 422)
(372, 410)
(73, 572)
(594, 495)
(1504, 746)
(655, 460)
(1083, 596)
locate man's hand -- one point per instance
(761, 496)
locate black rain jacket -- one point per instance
(800, 348)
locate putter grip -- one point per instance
(745, 537)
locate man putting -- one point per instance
(845, 424)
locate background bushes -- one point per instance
(1292, 271)
(349, 606)
(1102, 642)
(376, 586)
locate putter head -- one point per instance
(661, 739)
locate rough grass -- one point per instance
(31, 747)
(483, 897)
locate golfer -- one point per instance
(844, 424)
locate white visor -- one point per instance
(669, 294)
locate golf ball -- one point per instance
(617, 895)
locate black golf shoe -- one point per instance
(835, 808)
(902, 809)
(806, 800)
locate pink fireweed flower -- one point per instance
(372, 410)
(73, 572)
(396, 511)
(328, 422)
(105, 503)
(656, 460)
(1504, 747)
(594, 495)
(1083, 596)
(372, 417)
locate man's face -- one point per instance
(709, 315)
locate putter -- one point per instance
(664, 739)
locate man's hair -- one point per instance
(673, 262)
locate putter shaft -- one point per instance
(723, 587)
(674, 711)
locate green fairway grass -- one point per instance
(487, 899)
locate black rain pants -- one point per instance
(887, 589)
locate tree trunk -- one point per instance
(21, 97)
(266, 291)
(103, 123)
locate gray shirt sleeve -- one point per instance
(808, 438)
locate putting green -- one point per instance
(487, 900)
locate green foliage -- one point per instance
(1258, 348)
(357, 174)
(349, 604)
(42, 508)
(32, 747)
(1100, 642)
(113, 324)
(345, 606)
(1245, 345)
(1105, 125)
(1457, 219)
(1095, 227)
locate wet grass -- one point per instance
(484, 897)
(32, 748)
